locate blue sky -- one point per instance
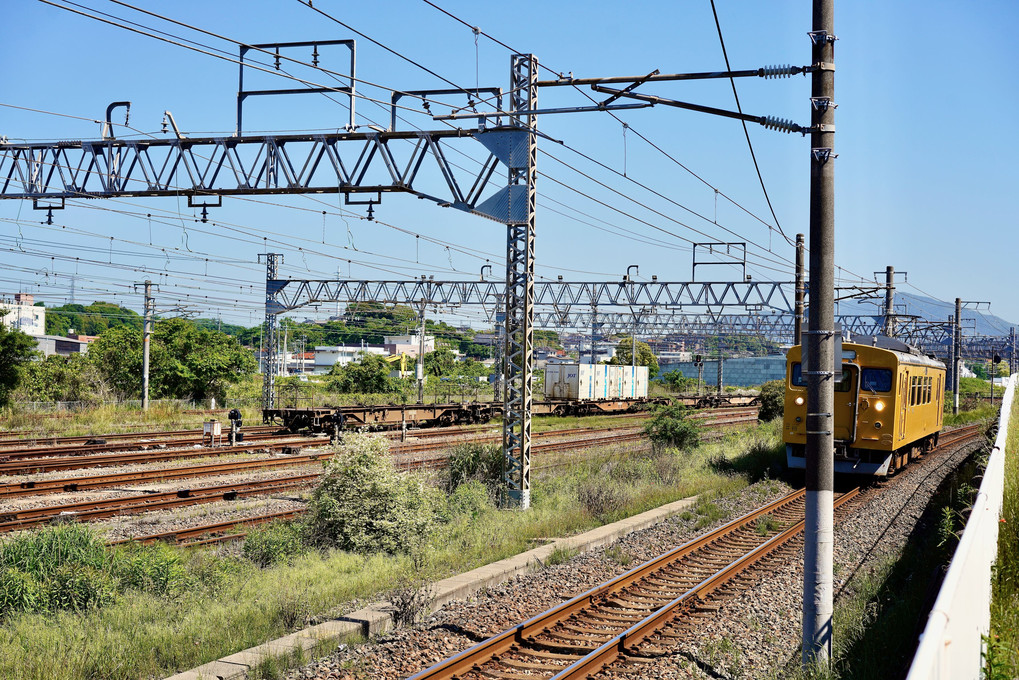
(924, 177)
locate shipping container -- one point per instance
(598, 381)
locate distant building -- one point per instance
(328, 356)
(58, 344)
(23, 315)
(407, 344)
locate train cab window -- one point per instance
(876, 380)
(797, 379)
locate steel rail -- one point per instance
(28, 438)
(203, 529)
(73, 484)
(39, 465)
(473, 658)
(18, 520)
(70, 450)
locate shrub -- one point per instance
(600, 499)
(272, 544)
(772, 400)
(41, 553)
(668, 426)
(362, 504)
(473, 461)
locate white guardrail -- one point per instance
(950, 647)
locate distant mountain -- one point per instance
(932, 310)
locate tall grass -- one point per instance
(231, 603)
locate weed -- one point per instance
(767, 524)
(277, 542)
(410, 602)
(602, 499)
(619, 556)
(999, 660)
(475, 462)
(946, 526)
(560, 555)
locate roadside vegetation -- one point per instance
(136, 612)
(1002, 656)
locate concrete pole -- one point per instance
(956, 352)
(421, 358)
(890, 302)
(800, 291)
(819, 535)
(146, 342)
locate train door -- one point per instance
(846, 398)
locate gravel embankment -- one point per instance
(754, 635)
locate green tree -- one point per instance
(185, 361)
(677, 382)
(440, 363)
(93, 319)
(645, 357)
(197, 362)
(16, 350)
(58, 378)
(368, 375)
(116, 356)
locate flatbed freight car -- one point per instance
(332, 419)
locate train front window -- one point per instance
(876, 380)
(799, 380)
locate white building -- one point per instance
(408, 344)
(23, 315)
(328, 356)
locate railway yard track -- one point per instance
(39, 463)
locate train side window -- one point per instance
(876, 379)
(912, 391)
(927, 390)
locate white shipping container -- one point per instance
(598, 381)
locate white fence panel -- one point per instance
(950, 647)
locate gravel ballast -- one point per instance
(754, 635)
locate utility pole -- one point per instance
(956, 352)
(890, 302)
(800, 291)
(146, 341)
(421, 358)
(818, 532)
(594, 323)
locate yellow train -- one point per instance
(888, 407)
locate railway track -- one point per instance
(224, 531)
(607, 624)
(80, 446)
(104, 508)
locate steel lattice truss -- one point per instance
(355, 162)
(561, 295)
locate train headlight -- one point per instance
(799, 401)
(879, 406)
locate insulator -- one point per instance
(778, 71)
(780, 124)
